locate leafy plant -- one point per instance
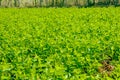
(58, 44)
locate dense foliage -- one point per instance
(59, 44)
(58, 3)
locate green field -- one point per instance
(59, 43)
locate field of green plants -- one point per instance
(60, 44)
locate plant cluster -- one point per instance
(59, 44)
